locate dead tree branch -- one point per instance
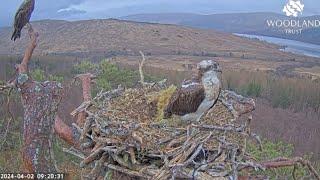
(141, 64)
(286, 162)
(23, 67)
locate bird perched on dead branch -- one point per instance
(198, 95)
(22, 17)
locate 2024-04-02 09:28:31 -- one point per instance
(53, 176)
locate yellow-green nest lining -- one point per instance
(163, 100)
(141, 104)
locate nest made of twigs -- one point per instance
(129, 135)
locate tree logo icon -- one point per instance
(293, 8)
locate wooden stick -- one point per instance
(92, 157)
(141, 64)
(126, 171)
(285, 162)
(73, 152)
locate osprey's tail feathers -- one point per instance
(16, 34)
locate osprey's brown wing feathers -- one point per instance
(185, 100)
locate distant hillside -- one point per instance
(249, 23)
(104, 38)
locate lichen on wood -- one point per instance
(40, 102)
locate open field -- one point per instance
(101, 38)
(246, 23)
(188, 63)
(313, 72)
(167, 46)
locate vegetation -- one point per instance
(272, 150)
(10, 159)
(253, 89)
(110, 75)
(84, 67)
(40, 75)
(283, 92)
(66, 162)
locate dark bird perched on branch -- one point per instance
(22, 17)
(198, 95)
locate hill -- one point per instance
(247, 23)
(104, 38)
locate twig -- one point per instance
(92, 157)
(126, 171)
(285, 162)
(141, 64)
(85, 105)
(98, 166)
(74, 152)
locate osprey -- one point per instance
(22, 17)
(198, 95)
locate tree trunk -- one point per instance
(40, 103)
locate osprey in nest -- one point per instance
(22, 17)
(195, 97)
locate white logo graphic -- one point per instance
(293, 7)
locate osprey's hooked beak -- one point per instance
(218, 69)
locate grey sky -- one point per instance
(90, 9)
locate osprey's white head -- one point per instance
(208, 65)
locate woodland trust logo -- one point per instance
(292, 24)
(293, 7)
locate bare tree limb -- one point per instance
(74, 152)
(23, 67)
(141, 64)
(286, 162)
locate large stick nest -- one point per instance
(127, 134)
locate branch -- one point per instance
(74, 152)
(86, 80)
(141, 64)
(23, 67)
(127, 171)
(285, 162)
(67, 133)
(6, 87)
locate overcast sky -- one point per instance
(93, 9)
